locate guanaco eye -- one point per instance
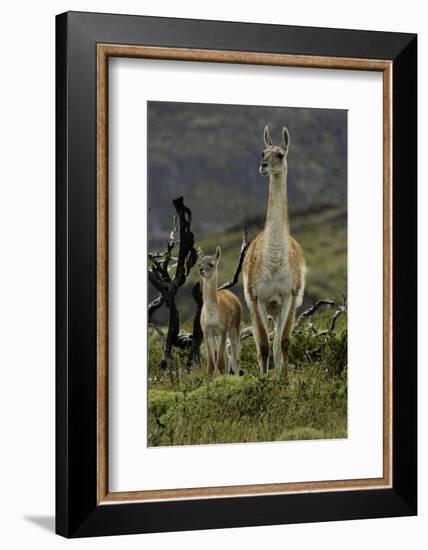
(281, 155)
(263, 155)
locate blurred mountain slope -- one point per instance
(210, 154)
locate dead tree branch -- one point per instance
(193, 339)
(342, 308)
(155, 305)
(158, 330)
(197, 337)
(168, 286)
(315, 353)
(314, 307)
(235, 278)
(338, 313)
(163, 263)
(246, 332)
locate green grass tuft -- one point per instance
(192, 408)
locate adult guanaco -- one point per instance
(274, 267)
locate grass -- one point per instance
(190, 408)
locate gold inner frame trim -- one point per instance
(104, 51)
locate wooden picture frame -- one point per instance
(84, 504)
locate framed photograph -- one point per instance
(236, 272)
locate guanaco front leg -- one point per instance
(221, 363)
(210, 348)
(261, 337)
(280, 324)
(286, 334)
(235, 345)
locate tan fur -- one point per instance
(274, 268)
(254, 257)
(220, 319)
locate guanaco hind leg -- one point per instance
(235, 345)
(221, 363)
(286, 334)
(261, 337)
(211, 351)
(280, 324)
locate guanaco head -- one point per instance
(208, 264)
(274, 157)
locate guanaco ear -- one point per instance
(218, 253)
(200, 252)
(285, 139)
(266, 137)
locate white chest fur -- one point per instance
(275, 279)
(211, 316)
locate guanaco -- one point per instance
(220, 318)
(274, 268)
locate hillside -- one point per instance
(210, 154)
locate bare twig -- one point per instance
(246, 332)
(313, 353)
(244, 246)
(337, 314)
(308, 356)
(341, 309)
(314, 308)
(184, 340)
(158, 330)
(155, 305)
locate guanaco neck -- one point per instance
(277, 224)
(209, 289)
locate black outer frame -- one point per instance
(77, 513)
